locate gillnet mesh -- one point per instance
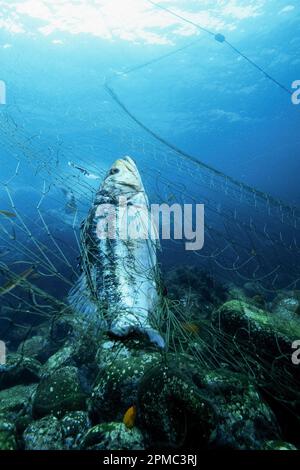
(250, 236)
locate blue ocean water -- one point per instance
(204, 97)
(178, 81)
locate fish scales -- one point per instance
(118, 283)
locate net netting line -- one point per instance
(261, 246)
(212, 179)
(215, 180)
(50, 268)
(226, 183)
(268, 208)
(221, 39)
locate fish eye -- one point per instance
(114, 171)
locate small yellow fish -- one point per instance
(7, 214)
(130, 417)
(10, 285)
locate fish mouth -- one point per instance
(128, 163)
(129, 166)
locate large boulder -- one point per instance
(287, 304)
(16, 399)
(172, 411)
(263, 332)
(112, 436)
(74, 425)
(261, 344)
(59, 392)
(182, 404)
(37, 347)
(63, 357)
(120, 370)
(243, 419)
(19, 369)
(44, 434)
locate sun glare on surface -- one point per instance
(129, 20)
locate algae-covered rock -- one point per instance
(59, 392)
(278, 445)
(7, 434)
(74, 425)
(116, 386)
(19, 369)
(37, 347)
(70, 329)
(243, 419)
(182, 404)
(262, 344)
(75, 352)
(63, 357)
(263, 331)
(15, 399)
(112, 436)
(172, 409)
(44, 434)
(287, 304)
(108, 350)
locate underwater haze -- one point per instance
(176, 103)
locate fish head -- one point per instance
(123, 178)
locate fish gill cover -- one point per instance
(201, 98)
